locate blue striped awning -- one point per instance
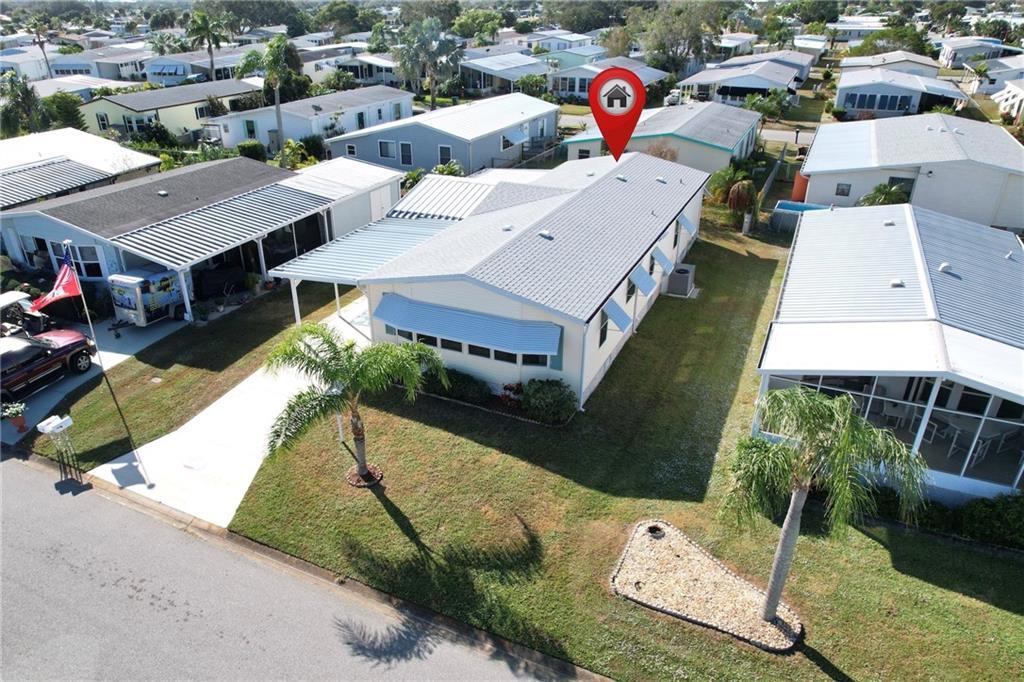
(643, 281)
(617, 315)
(664, 261)
(500, 333)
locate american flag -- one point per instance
(65, 286)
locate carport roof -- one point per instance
(51, 176)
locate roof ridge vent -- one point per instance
(546, 235)
(507, 228)
(889, 223)
(929, 128)
(620, 177)
(945, 266)
(661, 179)
(896, 283)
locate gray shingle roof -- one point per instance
(117, 209)
(159, 98)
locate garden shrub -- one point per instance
(253, 149)
(999, 521)
(461, 386)
(838, 113)
(314, 145)
(550, 401)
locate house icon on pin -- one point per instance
(616, 98)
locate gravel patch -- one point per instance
(663, 569)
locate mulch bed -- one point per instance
(354, 479)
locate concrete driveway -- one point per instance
(205, 466)
(113, 351)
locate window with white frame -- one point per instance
(86, 259)
(843, 189)
(603, 336)
(583, 154)
(444, 154)
(396, 110)
(102, 121)
(350, 149)
(136, 124)
(386, 149)
(203, 111)
(405, 151)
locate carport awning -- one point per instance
(184, 240)
(490, 331)
(354, 255)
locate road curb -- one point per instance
(480, 638)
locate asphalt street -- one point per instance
(92, 587)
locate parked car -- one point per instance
(30, 364)
(672, 98)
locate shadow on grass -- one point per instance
(448, 579)
(653, 427)
(988, 575)
(827, 667)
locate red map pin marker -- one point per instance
(617, 97)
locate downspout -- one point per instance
(583, 365)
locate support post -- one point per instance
(337, 301)
(183, 282)
(977, 434)
(927, 415)
(263, 260)
(295, 300)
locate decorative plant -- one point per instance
(511, 394)
(12, 410)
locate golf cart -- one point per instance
(144, 296)
(17, 317)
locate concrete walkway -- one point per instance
(205, 466)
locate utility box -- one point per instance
(682, 280)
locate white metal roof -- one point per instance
(90, 150)
(899, 79)
(442, 196)
(45, 178)
(511, 66)
(880, 60)
(779, 74)
(341, 177)
(75, 83)
(734, 39)
(712, 123)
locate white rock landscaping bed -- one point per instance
(665, 570)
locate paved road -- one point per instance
(92, 589)
(806, 136)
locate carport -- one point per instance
(354, 255)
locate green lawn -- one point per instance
(194, 366)
(575, 109)
(516, 528)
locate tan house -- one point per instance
(183, 109)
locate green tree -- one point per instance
(445, 11)
(809, 11)
(70, 49)
(215, 106)
(425, 49)
(366, 18)
(675, 33)
(994, 28)
(524, 26)
(884, 194)
(338, 16)
(815, 28)
(294, 155)
(20, 110)
(339, 80)
(62, 108)
(341, 374)
(722, 180)
(478, 22)
(378, 41)
(770, 106)
(273, 64)
(532, 84)
(825, 446)
(579, 17)
(616, 41)
(947, 13)
(453, 167)
(206, 32)
(38, 27)
(832, 34)
(412, 178)
(166, 43)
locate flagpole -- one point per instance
(85, 305)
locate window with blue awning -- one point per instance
(644, 282)
(688, 224)
(664, 261)
(617, 315)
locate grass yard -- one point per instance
(195, 366)
(516, 528)
(575, 109)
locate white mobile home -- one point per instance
(735, 44)
(997, 73)
(882, 93)
(897, 60)
(956, 52)
(1011, 99)
(922, 324)
(732, 85)
(499, 73)
(791, 58)
(575, 81)
(172, 69)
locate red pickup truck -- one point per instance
(30, 364)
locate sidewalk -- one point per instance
(204, 467)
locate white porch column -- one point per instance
(183, 283)
(977, 434)
(871, 398)
(927, 415)
(755, 426)
(337, 302)
(263, 260)
(295, 300)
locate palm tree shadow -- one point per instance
(409, 639)
(826, 666)
(402, 521)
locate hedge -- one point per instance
(549, 401)
(999, 521)
(461, 386)
(252, 149)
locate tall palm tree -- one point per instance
(832, 34)
(341, 374)
(206, 31)
(39, 27)
(426, 50)
(166, 43)
(884, 194)
(826, 446)
(273, 64)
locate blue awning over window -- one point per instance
(688, 224)
(479, 329)
(664, 261)
(643, 281)
(617, 315)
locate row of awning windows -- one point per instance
(525, 359)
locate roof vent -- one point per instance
(944, 266)
(1009, 255)
(590, 174)
(162, 192)
(507, 228)
(620, 177)
(546, 235)
(929, 128)
(896, 283)
(942, 130)
(889, 223)
(661, 179)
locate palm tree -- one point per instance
(722, 181)
(741, 199)
(341, 374)
(884, 194)
(39, 26)
(206, 31)
(21, 109)
(166, 43)
(826, 446)
(273, 64)
(832, 34)
(426, 50)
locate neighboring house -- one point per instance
(183, 109)
(999, 72)
(28, 62)
(882, 93)
(554, 40)
(59, 162)
(17, 39)
(575, 81)
(251, 217)
(898, 60)
(967, 169)
(732, 85)
(319, 62)
(919, 317)
(855, 28)
(116, 62)
(372, 69)
(574, 56)
(83, 86)
(703, 135)
(172, 69)
(326, 115)
(516, 281)
(791, 58)
(493, 51)
(499, 73)
(734, 44)
(261, 34)
(319, 39)
(1011, 99)
(813, 45)
(957, 51)
(488, 133)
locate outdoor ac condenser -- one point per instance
(681, 281)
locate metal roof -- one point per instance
(512, 66)
(189, 238)
(158, 98)
(769, 71)
(712, 123)
(646, 74)
(23, 184)
(899, 79)
(490, 331)
(442, 196)
(348, 258)
(786, 57)
(880, 60)
(87, 149)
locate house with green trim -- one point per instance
(702, 135)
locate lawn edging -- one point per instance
(499, 412)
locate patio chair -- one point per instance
(896, 411)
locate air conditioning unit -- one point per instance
(681, 281)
